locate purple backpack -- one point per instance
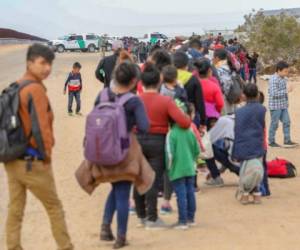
(107, 139)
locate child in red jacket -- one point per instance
(74, 84)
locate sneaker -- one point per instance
(181, 226)
(155, 225)
(290, 144)
(274, 145)
(218, 182)
(192, 224)
(142, 223)
(166, 210)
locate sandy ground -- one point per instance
(222, 222)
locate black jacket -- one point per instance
(195, 95)
(106, 65)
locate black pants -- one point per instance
(168, 188)
(222, 157)
(153, 147)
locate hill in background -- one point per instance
(8, 33)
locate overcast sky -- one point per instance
(51, 18)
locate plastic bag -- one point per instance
(206, 149)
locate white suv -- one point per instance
(83, 42)
(154, 37)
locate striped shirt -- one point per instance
(278, 93)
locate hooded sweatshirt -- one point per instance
(182, 151)
(194, 92)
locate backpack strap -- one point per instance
(104, 96)
(125, 98)
(25, 83)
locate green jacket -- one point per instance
(182, 151)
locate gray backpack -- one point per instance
(13, 142)
(236, 89)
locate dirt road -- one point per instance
(223, 223)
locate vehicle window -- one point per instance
(72, 38)
(91, 37)
(79, 37)
(155, 36)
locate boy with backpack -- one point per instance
(249, 148)
(182, 151)
(26, 142)
(74, 84)
(230, 81)
(170, 86)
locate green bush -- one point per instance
(273, 37)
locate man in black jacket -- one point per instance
(107, 64)
(192, 87)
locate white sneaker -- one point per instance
(155, 225)
(192, 224)
(218, 182)
(181, 226)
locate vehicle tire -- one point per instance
(60, 49)
(92, 48)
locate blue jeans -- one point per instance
(283, 116)
(186, 201)
(252, 75)
(118, 200)
(72, 95)
(264, 187)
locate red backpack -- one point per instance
(281, 168)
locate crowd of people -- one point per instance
(162, 109)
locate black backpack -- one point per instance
(236, 89)
(13, 141)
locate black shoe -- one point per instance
(290, 144)
(274, 145)
(106, 233)
(120, 243)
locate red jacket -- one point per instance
(139, 88)
(161, 110)
(212, 93)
